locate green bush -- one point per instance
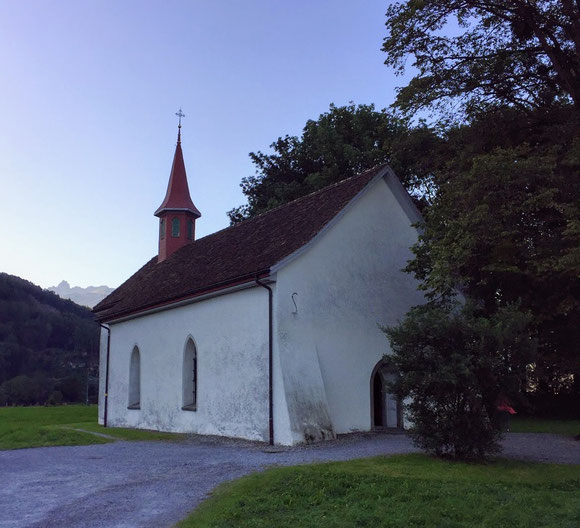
(72, 389)
(25, 390)
(454, 364)
(55, 398)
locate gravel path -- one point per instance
(154, 484)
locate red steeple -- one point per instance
(177, 213)
(177, 197)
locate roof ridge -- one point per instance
(299, 199)
(328, 187)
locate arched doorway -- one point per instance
(386, 409)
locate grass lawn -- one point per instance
(400, 491)
(51, 426)
(537, 425)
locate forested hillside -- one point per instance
(48, 346)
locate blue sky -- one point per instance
(87, 126)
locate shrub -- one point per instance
(72, 389)
(25, 390)
(55, 398)
(454, 364)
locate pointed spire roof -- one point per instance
(177, 197)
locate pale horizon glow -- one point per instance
(88, 129)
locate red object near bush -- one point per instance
(505, 407)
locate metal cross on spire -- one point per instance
(180, 114)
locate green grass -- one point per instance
(537, 425)
(22, 427)
(400, 491)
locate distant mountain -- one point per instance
(49, 347)
(83, 296)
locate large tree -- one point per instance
(505, 227)
(342, 142)
(524, 53)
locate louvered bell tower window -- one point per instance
(175, 227)
(190, 229)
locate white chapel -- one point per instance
(269, 329)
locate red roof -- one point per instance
(177, 196)
(233, 255)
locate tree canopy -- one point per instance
(504, 227)
(342, 142)
(524, 53)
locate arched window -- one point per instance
(175, 227)
(135, 380)
(162, 228)
(190, 377)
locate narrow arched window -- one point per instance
(162, 228)
(175, 227)
(135, 380)
(190, 377)
(190, 229)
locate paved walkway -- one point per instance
(155, 484)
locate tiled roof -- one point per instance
(233, 255)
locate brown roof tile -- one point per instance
(232, 255)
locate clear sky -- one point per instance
(89, 91)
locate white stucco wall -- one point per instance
(282, 429)
(231, 337)
(348, 282)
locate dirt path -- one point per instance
(154, 484)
